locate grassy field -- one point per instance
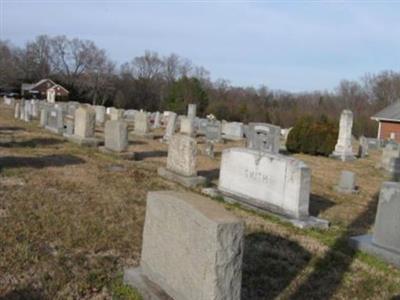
(71, 219)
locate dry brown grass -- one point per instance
(71, 219)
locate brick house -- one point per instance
(57, 92)
(41, 88)
(389, 122)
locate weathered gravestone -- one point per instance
(116, 139)
(157, 120)
(17, 110)
(28, 111)
(268, 182)
(187, 126)
(390, 160)
(232, 131)
(85, 127)
(214, 131)
(181, 161)
(171, 126)
(116, 114)
(264, 137)
(100, 114)
(55, 120)
(363, 147)
(142, 125)
(35, 108)
(192, 249)
(385, 240)
(192, 108)
(347, 183)
(344, 148)
(69, 125)
(44, 112)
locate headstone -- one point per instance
(187, 126)
(55, 120)
(22, 110)
(85, 127)
(28, 111)
(17, 110)
(181, 161)
(264, 137)
(43, 116)
(35, 108)
(69, 125)
(171, 125)
(232, 130)
(116, 114)
(142, 125)
(268, 182)
(390, 154)
(385, 240)
(201, 126)
(347, 183)
(214, 131)
(192, 249)
(192, 108)
(100, 114)
(209, 150)
(343, 148)
(157, 120)
(363, 147)
(116, 136)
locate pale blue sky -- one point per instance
(291, 45)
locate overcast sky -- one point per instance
(293, 45)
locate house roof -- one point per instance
(60, 86)
(389, 113)
(42, 81)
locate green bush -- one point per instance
(311, 136)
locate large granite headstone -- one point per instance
(55, 120)
(100, 114)
(347, 183)
(192, 108)
(232, 131)
(171, 126)
(85, 127)
(385, 240)
(192, 249)
(187, 126)
(213, 131)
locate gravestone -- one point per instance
(171, 126)
(344, 148)
(157, 120)
(347, 183)
(192, 249)
(85, 127)
(142, 125)
(264, 137)
(44, 116)
(17, 110)
(35, 108)
(181, 161)
(100, 114)
(28, 111)
(55, 120)
(116, 139)
(363, 147)
(232, 131)
(69, 125)
(201, 125)
(390, 154)
(192, 108)
(116, 114)
(214, 131)
(385, 240)
(187, 127)
(209, 149)
(268, 182)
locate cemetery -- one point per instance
(99, 202)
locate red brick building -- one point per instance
(389, 122)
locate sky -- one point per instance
(285, 45)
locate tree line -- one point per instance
(154, 82)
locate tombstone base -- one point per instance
(187, 181)
(88, 142)
(54, 130)
(345, 191)
(343, 157)
(135, 278)
(149, 135)
(231, 137)
(364, 243)
(124, 155)
(302, 223)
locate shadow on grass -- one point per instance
(330, 269)
(270, 263)
(319, 204)
(148, 154)
(136, 142)
(32, 143)
(39, 162)
(209, 174)
(23, 294)
(11, 128)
